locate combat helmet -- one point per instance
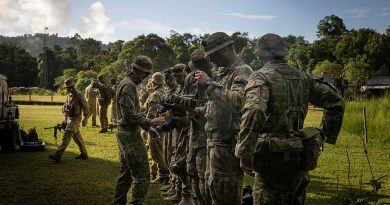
(271, 45)
(178, 69)
(216, 42)
(158, 78)
(198, 60)
(69, 83)
(143, 63)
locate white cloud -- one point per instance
(96, 25)
(31, 16)
(356, 13)
(249, 16)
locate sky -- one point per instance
(111, 20)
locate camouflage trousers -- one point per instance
(224, 175)
(134, 168)
(103, 116)
(280, 188)
(72, 130)
(114, 115)
(92, 107)
(157, 153)
(196, 168)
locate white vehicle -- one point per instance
(9, 115)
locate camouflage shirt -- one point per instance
(277, 98)
(128, 107)
(75, 105)
(226, 99)
(152, 102)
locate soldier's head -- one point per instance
(69, 85)
(220, 49)
(142, 67)
(101, 78)
(169, 79)
(199, 61)
(270, 47)
(158, 80)
(179, 73)
(113, 81)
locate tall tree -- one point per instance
(331, 26)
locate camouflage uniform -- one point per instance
(114, 117)
(156, 145)
(74, 106)
(91, 95)
(277, 102)
(105, 95)
(222, 111)
(196, 159)
(134, 166)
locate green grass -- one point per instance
(31, 178)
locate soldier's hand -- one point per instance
(84, 122)
(201, 76)
(153, 133)
(157, 121)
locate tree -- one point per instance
(357, 71)
(327, 68)
(182, 45)
(24, 66)
(298, 52)
(331, 26)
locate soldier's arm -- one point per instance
(84, 106)
(324, 96)
(253, 118)
(127, 108)
(233, 97)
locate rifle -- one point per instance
(189, 99)
(112, 126)
(60, 127)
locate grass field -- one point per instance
(31, 178)
(36, 98)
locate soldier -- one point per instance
(156, 145)
(91, 95)
(114, 117)
(222, 111)
(74, 106)
(277, 103)
(105, 96)
(196, 160)
(134, 165)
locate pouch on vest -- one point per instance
(296, 152)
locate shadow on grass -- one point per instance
(325, 190)
(32, 178)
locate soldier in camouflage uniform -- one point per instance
(134, 165)
(91, 96)
(180, 142)
(105, 95)
(222, 111)
(114, 117)
(156, 145)
(75, 105)
(196, 160)
(277, 103)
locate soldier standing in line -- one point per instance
(114, 117)
(226, 99)
(156, 145)
(134, 165)
(180, 134)
(277, 103)
(91, 96)
(74, 106)
(196, 160)
(105, 96)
